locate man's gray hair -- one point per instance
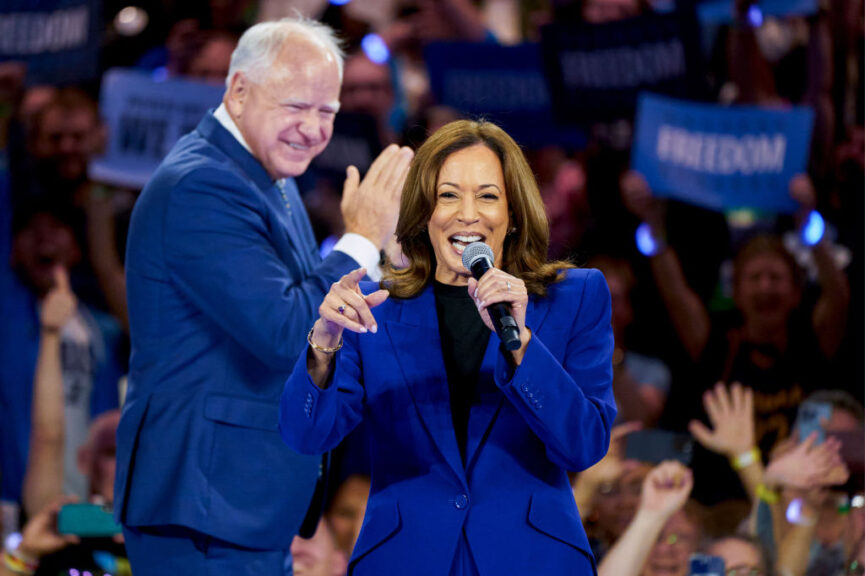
(258, 47)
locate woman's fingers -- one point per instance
(353, 303)
(497, 286)
(338, 314)
(373, 299)
(345, 306)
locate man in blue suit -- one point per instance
(224, 281)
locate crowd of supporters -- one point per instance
(723, 332)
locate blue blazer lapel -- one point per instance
(416, 342)
(282, 198)
(491, 398)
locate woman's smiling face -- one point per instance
(471, 206)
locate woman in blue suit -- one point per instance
(469, 442)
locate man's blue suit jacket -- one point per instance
(512, 498)
(223, 281)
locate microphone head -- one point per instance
(476, 251)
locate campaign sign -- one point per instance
(596, 71)
(719, 157)
(721, 11)
(502, 84)
(145, 118)
(57, 39)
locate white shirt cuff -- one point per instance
(363, 252)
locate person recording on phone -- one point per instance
(470, 436)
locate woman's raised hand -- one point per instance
(346, 307)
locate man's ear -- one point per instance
(237, 94)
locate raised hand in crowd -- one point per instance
(665, 492)
(688, 314)
(666, 489)
(102, 249)
(638, 199)
(806, 465)
(731, 414)
(803, 470)
(812, 509)
(370, 207)
(39, 538)
(44, 479)
(830, 312)
(59, 303)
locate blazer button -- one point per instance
(461, 502)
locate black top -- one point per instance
(464, 339)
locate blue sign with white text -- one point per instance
(502, 84)
(719, 157)
(145, 118)
(597, 71)
(57, 39)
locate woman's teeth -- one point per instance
(460, 242)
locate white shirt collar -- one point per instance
(224, 118)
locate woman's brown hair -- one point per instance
(525, 248)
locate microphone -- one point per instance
(478, 258)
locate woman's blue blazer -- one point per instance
(511, 499)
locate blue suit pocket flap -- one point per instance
(127, 435)
(381, 521)
(558, 519)
(242, 412)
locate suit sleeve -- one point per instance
(314, 420)
(219, 252)
(569, 403)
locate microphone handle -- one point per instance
(500, 313)
(505, 325)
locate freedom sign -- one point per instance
(57, 39)
(596, 71)
(502, 84)
(145, 118)
(719, 157)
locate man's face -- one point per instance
(65, 140)
(366, 88)
(617, 502)
(676, 543)
(41, 245)
(766, 292)
(212, 62)
(287, 119)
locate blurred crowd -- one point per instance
(727, 333)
